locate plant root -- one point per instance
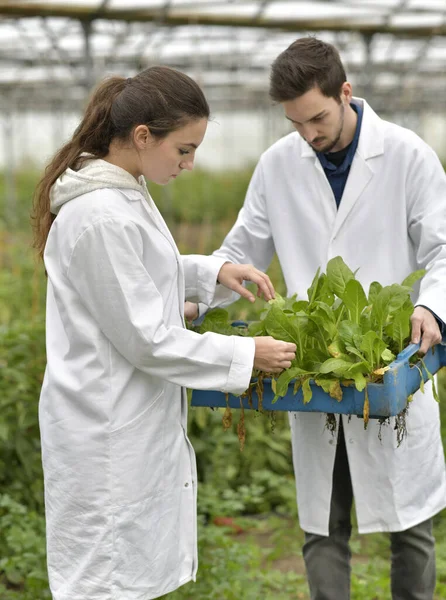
(331, 424)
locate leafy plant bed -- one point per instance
(354, 354)
(386, 399)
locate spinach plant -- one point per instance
(343, 335)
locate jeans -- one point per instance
(327, 559)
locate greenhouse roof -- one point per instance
(53, 52)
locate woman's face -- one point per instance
(163, 160)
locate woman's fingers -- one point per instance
(273, 355)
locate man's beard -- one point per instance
(331, 144)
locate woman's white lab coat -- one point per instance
(120, 475)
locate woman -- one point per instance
(120, 476)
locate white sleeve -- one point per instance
(200, 273)
(426, 223)
(107, 271)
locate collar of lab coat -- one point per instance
(371, 137)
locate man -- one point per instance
(350, 184)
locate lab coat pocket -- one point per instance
(138, 457)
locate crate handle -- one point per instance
(407, 353)
(239, 324)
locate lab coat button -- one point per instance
(331, 442)
(186, 484)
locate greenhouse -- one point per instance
(251, 536)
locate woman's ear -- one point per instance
(142, 137)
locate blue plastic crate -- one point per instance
(386, 399)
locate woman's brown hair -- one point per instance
(160, 97)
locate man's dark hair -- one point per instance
(306, 64)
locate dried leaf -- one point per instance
(336, 390)
(366, 410)
(380, 371)
(227, 415)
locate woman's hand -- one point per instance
(190, 311)
(273, 356)
(232, 276)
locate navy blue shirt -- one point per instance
(336, 173)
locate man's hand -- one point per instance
(190, 311)
(424, 327)
(232, 276)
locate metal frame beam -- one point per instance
(176, 17)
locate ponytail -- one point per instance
(93, 136)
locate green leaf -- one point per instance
(278, 301)
(337, 348)
(289, 303)
(256, 328)
(413, 278)
(338, 275)
(399, 327)
(390, 299)
(354, 299)
(325, 318)
(286, 328)
(307, 391)
(387, 355)
(311, 292)
(320, 291)
(372, 346)
(353, 350)
(300, 329)
(217, 321)
(279, 325)
(332, 365)
(359, 379)
(281, 385)
(374, 290)
(301, 305)
(317, 330)
(432, 380)
(347, 332)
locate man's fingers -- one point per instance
(429, 339)
(426, 343)
(416, 330)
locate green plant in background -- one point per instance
(198, 197)
(22, 549)
(16, 215)
(22, 362)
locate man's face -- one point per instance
(318, 119)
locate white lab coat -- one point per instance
(391, 221)
(120, 474)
